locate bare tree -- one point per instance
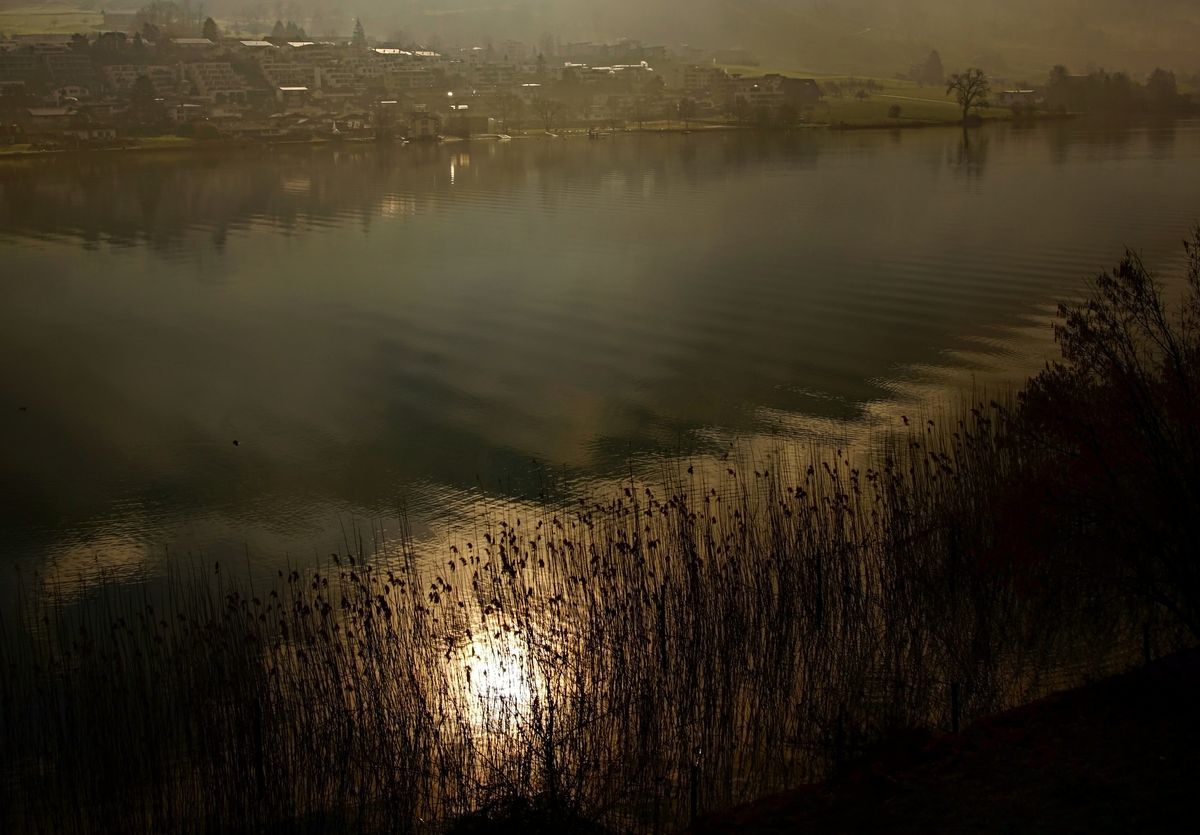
(971, 88)
(508, 105)
(548, 111)
(687, 111)
(637, 109)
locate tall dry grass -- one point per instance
(625, 662)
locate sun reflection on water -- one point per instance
(496, 677)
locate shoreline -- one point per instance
(918, 124)
(217, 145)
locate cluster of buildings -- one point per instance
(716, 89)
(98, 88)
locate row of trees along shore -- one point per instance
(1098, 92)
(1116, 93)
(622, 663)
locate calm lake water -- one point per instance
(419, 327)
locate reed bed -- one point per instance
(628, 661)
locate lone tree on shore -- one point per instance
(971, 88)
(687, 111)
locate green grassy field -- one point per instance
(141, 143)
(64, 19)
(918, 104)
(914, 108)
(168, 141)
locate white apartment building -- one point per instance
(216, 82)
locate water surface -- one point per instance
(416, 327)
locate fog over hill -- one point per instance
(875, 35)
(882, 36)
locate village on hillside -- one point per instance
(130, 82)
(133, 81)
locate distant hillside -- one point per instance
(882, 36)
(62, 18)
(867, 36)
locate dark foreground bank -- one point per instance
(1121, 755)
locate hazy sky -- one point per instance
(1007, 37)
(1015, 34)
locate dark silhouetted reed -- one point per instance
(624, 662)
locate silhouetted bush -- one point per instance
(1118, 419)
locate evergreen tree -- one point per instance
(141, 94)
(278, 33)
(360, 35)
(1162, 91)
(145, 110)
(932, 71)
(211, 31)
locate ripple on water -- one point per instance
(415, 328)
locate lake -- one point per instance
(265, 354)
